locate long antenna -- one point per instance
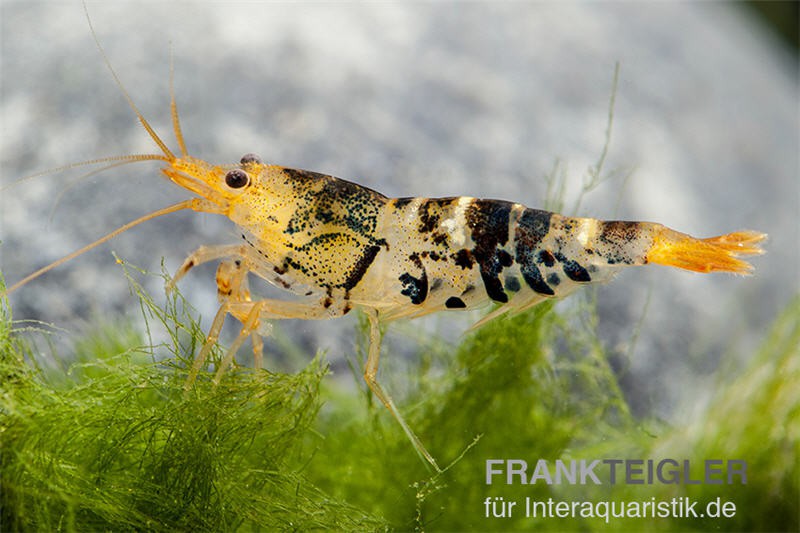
(115, 160)
(150, 130)
(168, 157)
(186, 204)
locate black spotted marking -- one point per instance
(512, 284)
(504, 258)
(361, 266)
(534, 279)
(325, 272)
(432, 254)
(553, 279)
(283, 268)
(488, 221)
(297, 266)
(575, 271)
(464, 259)
(429, 215)
(324, 201)
(436, 284)
(532, 228)
(400, 203)
(300, 175)
(454, 302)
(294, 226)
(324, 215)
(324, 241)
(494, 287)
(428, 218)
(547, 257)
(619, 231)
(439, 238)
(618, 234)
(415, 288)
(328, 301)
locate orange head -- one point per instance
(217, 186)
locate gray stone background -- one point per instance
(420, 99)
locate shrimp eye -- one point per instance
(236, 179)
(250, 158)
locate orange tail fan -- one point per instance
(715, 254)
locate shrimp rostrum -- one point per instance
(340, 246)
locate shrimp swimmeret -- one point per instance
(341, 246)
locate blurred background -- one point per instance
(477, 99)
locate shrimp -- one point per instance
(340, 246)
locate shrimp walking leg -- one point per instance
(232, 287)
(204, 254)
(211, 340)
(249, 328)
(370, 376)
(255, 317)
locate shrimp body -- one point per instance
(349, 246)
(340, 245)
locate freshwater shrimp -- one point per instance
(340, 246)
